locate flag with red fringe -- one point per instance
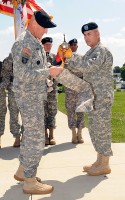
(21, 10)
(7, 6)
(6, 9)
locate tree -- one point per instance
(116, 69)
(123, 72)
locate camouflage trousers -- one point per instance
(99, 125)
(50, 109)
(32, 113)
(99, 117)
(13, 111)
(75, 120)
(3, 110)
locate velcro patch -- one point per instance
(24, 60)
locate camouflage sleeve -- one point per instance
(25, 67)
(72, 62)
(6, 72)
(8, 65)
(90, 62)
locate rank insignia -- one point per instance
(86, 27)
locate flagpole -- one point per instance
(14, 12)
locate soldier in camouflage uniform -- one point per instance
(31, 70)
(50, 106)
(96, 67)
(6, 84)
(3, 108)
(75, 120)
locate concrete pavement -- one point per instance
(61, 166)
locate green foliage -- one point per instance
(118, 115)
(114, 84)
(117, 69)
(61, 88)
(123, 73)
(61, 102)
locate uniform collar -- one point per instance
(35, 40)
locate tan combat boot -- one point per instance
(79, 135)
(17, 142)
(51, 137)
(74, 136)
(101, 168)
(46, 138)
(19, 175)
(32, 186)
(95, 164)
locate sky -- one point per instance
(70, 15)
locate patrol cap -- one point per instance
(43, 19)
(46, 39)
(73, 41)
(89, 26)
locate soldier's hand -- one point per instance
(55, 71)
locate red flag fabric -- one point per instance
(22, 12)
(34, 5)
(7, 8)
(58, 59)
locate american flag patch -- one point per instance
(27, 51)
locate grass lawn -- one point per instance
(118, 115)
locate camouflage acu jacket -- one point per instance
(30, 66)
(96, 66)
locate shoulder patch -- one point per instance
(24, 60)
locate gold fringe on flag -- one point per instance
(15, 3)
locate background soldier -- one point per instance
(75, 120)
(6, 85)
(2, 106)
(96, 66)
(50, 106)
(70, 80)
